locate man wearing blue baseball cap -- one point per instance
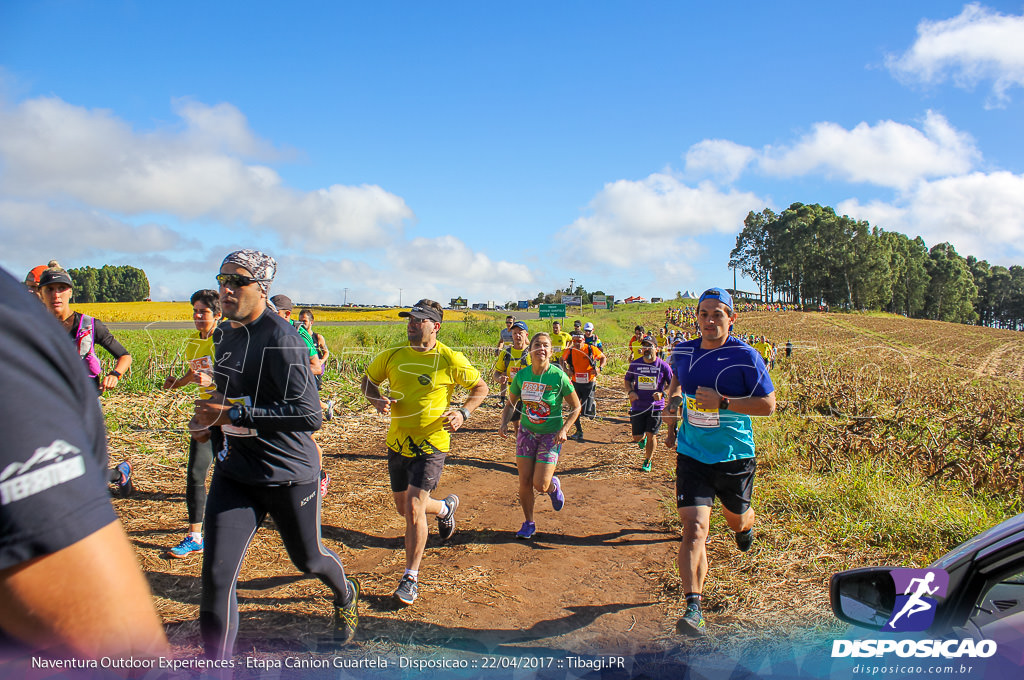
(718, 383)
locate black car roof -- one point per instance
(967, 549)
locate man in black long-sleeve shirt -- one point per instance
(267, 407)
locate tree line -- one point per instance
(809, 256)
(110, 284)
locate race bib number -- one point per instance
(532, 391)
(236, 430)
(700, 417)
(202, 365)
(646, 382)
(513, 369)
(582, 378)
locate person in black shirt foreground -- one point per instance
(70, 585)
(267, 407)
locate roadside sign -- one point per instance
(575, 300)
(552, 311)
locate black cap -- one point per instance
(55, 276)
(423, 310)
(282, 302)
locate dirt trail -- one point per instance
(590, 581)
(587, 581)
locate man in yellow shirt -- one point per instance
(560, 340)
(199, 354)
(510, 360)
(422, 376)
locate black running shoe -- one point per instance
(446, 526)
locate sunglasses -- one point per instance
(237, 280)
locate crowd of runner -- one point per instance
(258, 375)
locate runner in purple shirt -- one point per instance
(646, 381)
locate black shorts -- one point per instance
(422, 471)
(517, 412)
(698, 483)
(645, 421)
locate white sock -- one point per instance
(444, 510)
(414, 575)
(196, 536)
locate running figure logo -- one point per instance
(917, 595)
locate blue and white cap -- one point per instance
(719, 294)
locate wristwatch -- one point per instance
(234, 413)
(464, 412)
(724, 404)
(114, 372)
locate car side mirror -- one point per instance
(864, 597)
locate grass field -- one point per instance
(894, 440)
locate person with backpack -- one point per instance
(55, 290)
(583, 363)
(510, 360)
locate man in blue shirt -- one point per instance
(718, 382)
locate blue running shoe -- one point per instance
(692, 624)
(557, 497)
(188, 546)
(124, 484)
(527, 531)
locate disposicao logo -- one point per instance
(917, 594)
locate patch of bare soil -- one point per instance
(598, 578)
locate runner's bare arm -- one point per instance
(506, 413)
(63, 600)
(454, 418)
(316, 365)
(672, 413)
(570, 416)
(752, 406)
(122, 365)
(372, 393)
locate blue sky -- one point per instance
(496, 150)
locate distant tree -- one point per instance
(951, 291)
(110, 284)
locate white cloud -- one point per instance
(53, 151)
(980, 214)
(651, 221)
(35, 233)
(879, 213)
(443, 267)
(888, 154)
(718, 158)
(977, 45)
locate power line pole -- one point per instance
(346, 296)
